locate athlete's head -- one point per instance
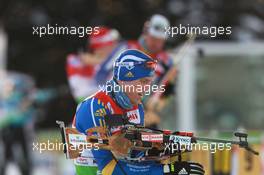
(154, 34)
(134, 71)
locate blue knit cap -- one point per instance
(132, 65)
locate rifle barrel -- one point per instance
(217, 140)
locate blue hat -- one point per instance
(132, 65)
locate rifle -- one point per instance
(153, 142)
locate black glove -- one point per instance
(183, 168)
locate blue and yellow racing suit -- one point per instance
(90, 113)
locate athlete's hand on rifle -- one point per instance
(120, 146)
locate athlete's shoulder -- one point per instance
(90, 113)
(101, 99)
(99, 96)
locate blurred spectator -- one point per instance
(16, 114)
(81, 67)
